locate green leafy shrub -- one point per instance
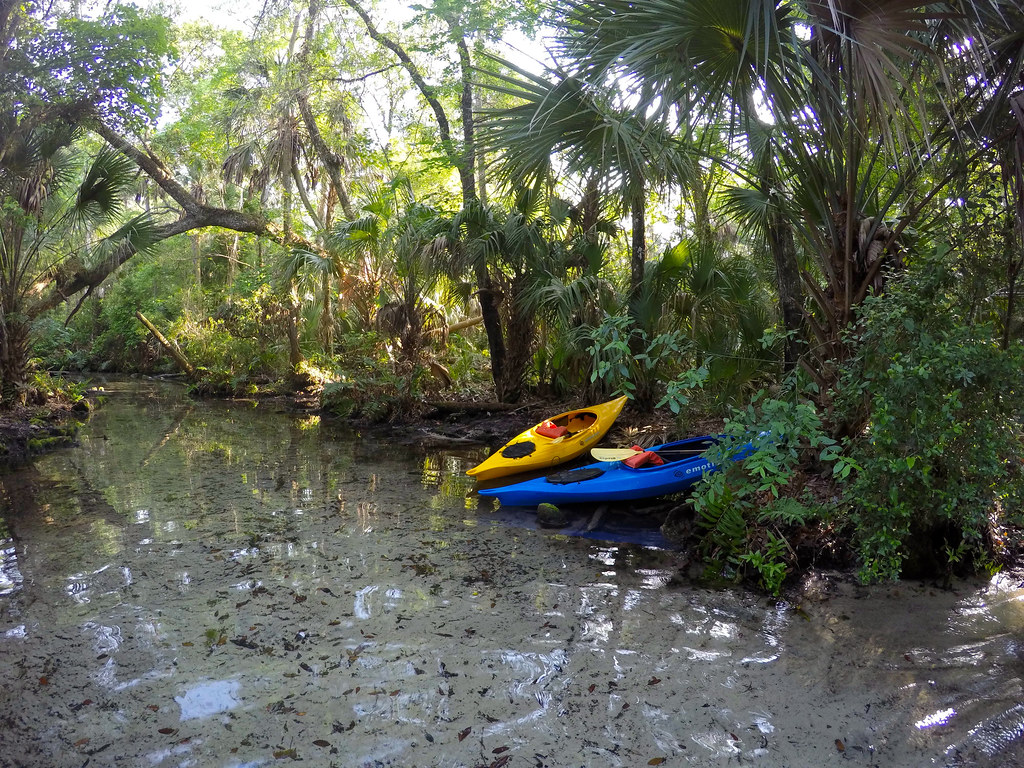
(616, 369)
(745, 509)
(227, 363)
(940, 459)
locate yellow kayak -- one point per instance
(551, 442)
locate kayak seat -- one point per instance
(580, 422)
(574, 475)
(644, 459)
(550, 429)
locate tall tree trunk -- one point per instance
(327, 315)
(521, 335)
(638, 249)
(14, 338)
(197, 259)
(294, 350)
(332, 161)
(467, 162)
(643, 395)
(787, 276)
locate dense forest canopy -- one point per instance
(805, 216)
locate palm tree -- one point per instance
(395, 241)
(511, 244)
(838, 96)
(54, 207)
(576, 127)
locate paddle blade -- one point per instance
(613, 454)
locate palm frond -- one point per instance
(139, 234)
(102, 192)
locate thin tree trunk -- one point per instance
(638, 249)
(463, 162)
(197, 264)
(643, 395)
(787, 277)
(327, 316)
(334, 163)
(294, 350)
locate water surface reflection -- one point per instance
(221, 584)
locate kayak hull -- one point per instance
(532, 450)
(614, 480)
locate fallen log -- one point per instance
(467, 323)
(448, 406)
(169, 346)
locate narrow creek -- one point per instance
(225, 584)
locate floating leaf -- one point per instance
(464, 732)
(44, 680)
(654, 681)
(501, 762)
(153, 707)
(167, 731)
(840, 746)
(281, 754)
(322, 743)
(591, 688)
(499, 750)
(656, 761)
(82, 742)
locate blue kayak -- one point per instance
(615, 480)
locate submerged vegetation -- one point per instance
(804, 218)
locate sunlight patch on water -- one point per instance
(208, 699)
(941, 717)
(10, 577)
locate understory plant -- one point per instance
(746, 510)
(940, 460)
(625, 360)
(370, 385)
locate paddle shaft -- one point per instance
(618, 454)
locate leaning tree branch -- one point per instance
(334, 163)
(74, 275)
(150, 164)
(428, 91)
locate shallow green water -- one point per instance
(224, 584)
